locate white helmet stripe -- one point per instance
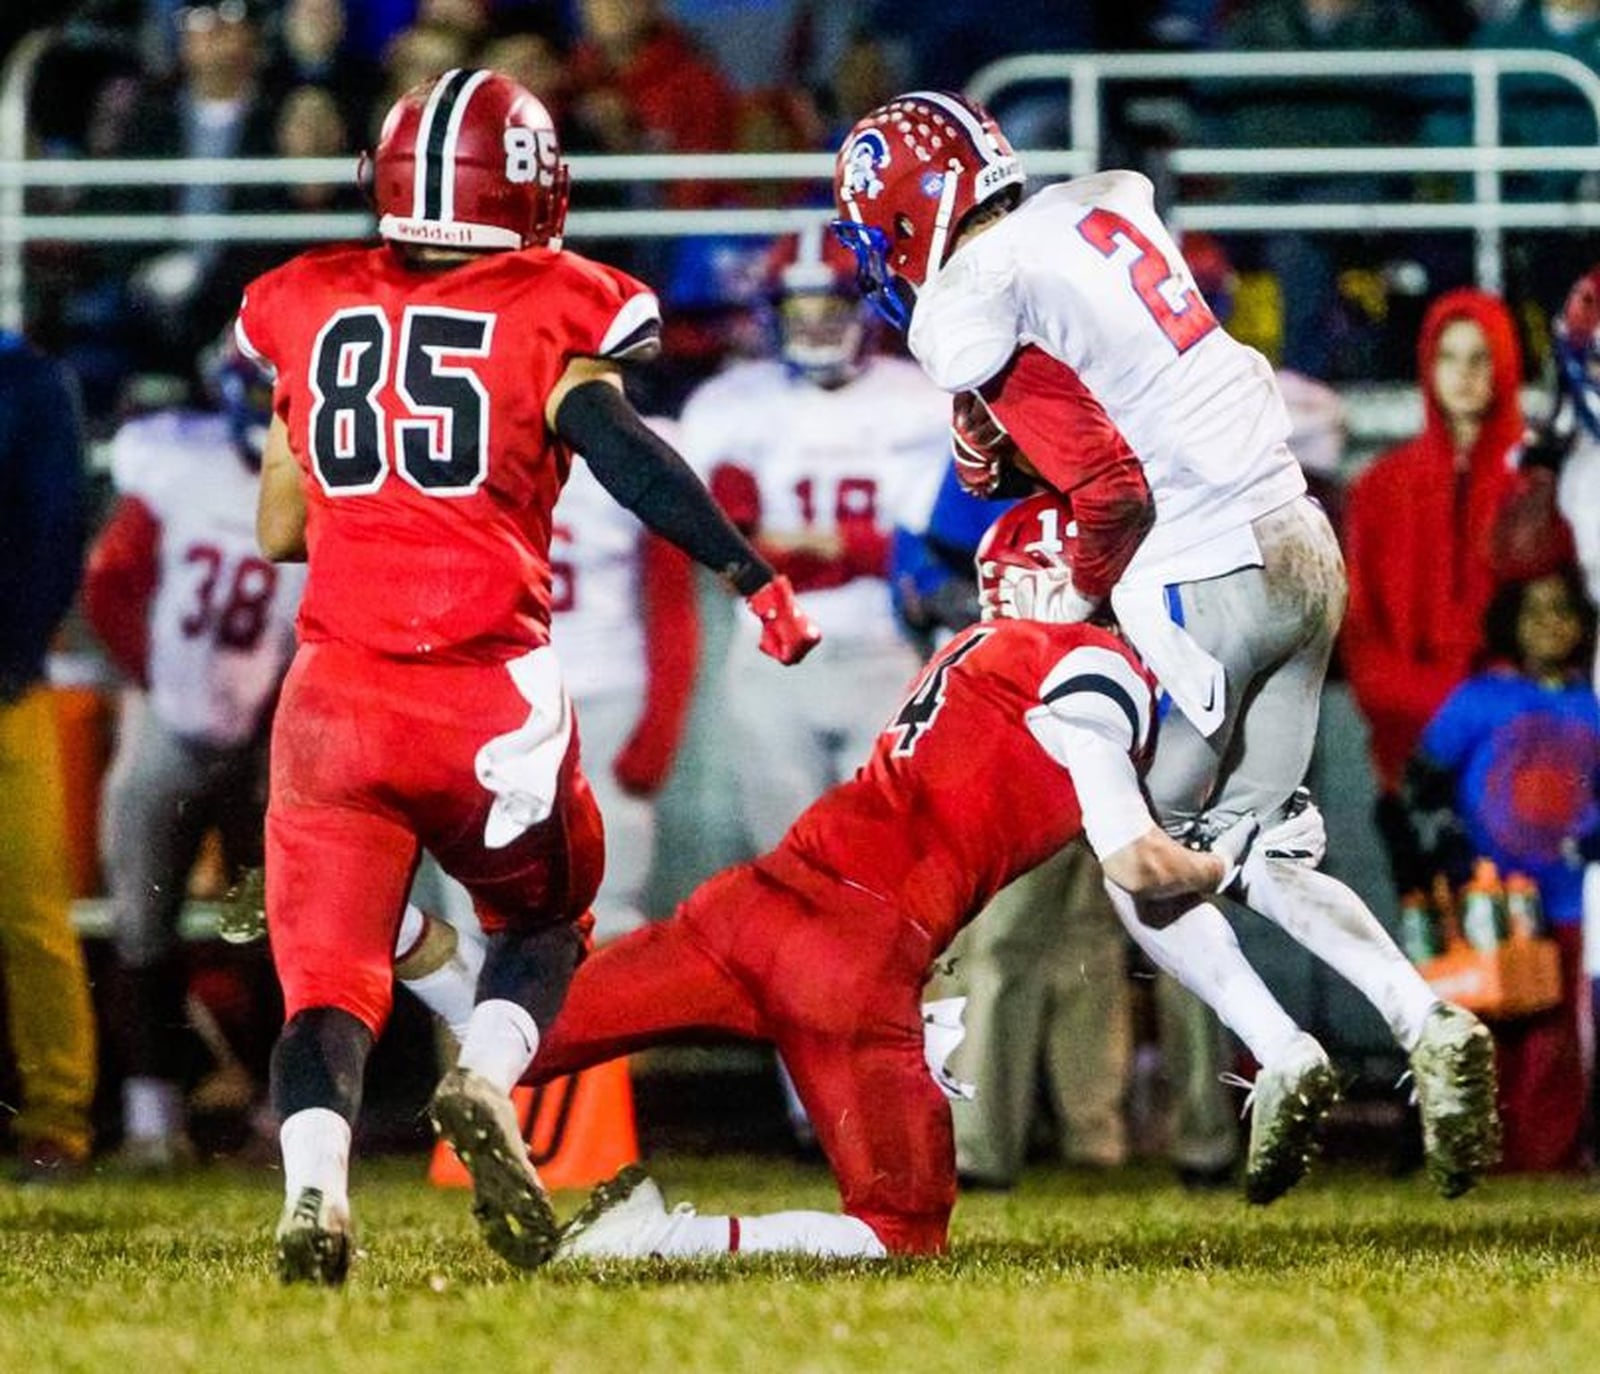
(452, 136)
(419, 174)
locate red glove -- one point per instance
(787, 633)
(979, 443)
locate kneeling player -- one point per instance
(1019, 736)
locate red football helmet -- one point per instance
(820, 318)
(469, 160)
(906, 176)
(1037, 534)
(1577, 333)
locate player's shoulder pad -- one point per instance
(625, 312)
(152, 455)
(1097, 683)
(966, 324)
(1114, 184)
(733, 392)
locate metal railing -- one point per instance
(1086, 78)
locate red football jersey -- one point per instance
(415, 406)
(959, 798)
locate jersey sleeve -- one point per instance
(1095, 717)
(965, 325)
(615, 316)
(256, 328)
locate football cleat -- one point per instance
(1452, 1068)
(313, 1241)
(625, 1218)
(509, 1202)
(1288, 1103)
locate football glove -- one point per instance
(979, 444)
(1017, 593)
(788, 634)
(1300, 837)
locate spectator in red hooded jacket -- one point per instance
(1417, 532)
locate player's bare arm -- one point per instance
(1155, 865)
(281, 507)
(588, 409)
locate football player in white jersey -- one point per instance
(813, 454)
(203, 627)
(1071, 331)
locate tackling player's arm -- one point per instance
(281, 505)
(1094, 718)
(588, 409)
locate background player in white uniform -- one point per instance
(1077, 319)
(596, 624)
(203, 626)
(813, 454)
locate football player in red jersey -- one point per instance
(1017, 737)
(1080, 350)
(431, 392)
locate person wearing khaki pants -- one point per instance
(1044, 973)
(50, 1020)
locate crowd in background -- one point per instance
(311, 78)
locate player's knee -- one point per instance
(367, 995)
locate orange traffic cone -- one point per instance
(580, 1130)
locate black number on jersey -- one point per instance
(921, 708)
(443, 436)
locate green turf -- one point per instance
(1350, 1273)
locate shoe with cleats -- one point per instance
(1290, 1100)
(624, 1218)
(1452, 1069)
(480, 1124)
(313, 1241)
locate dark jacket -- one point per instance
(42, 508)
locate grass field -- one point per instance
(1353, 1272)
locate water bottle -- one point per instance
(1524, 910)
(1419, 932)
(1483, 908)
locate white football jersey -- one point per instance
(821, 456)
(595, 614)
(222, 622)
(1087, 272)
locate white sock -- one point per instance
(807, 1233)
(316, 1154)
(412, 923)
(450, 990)
(1201, 951)
(152, 1108)
(500, 1042)
(1327, 918)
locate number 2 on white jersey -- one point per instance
(1183, 316)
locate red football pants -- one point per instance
(829, 976)
(373, 758)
